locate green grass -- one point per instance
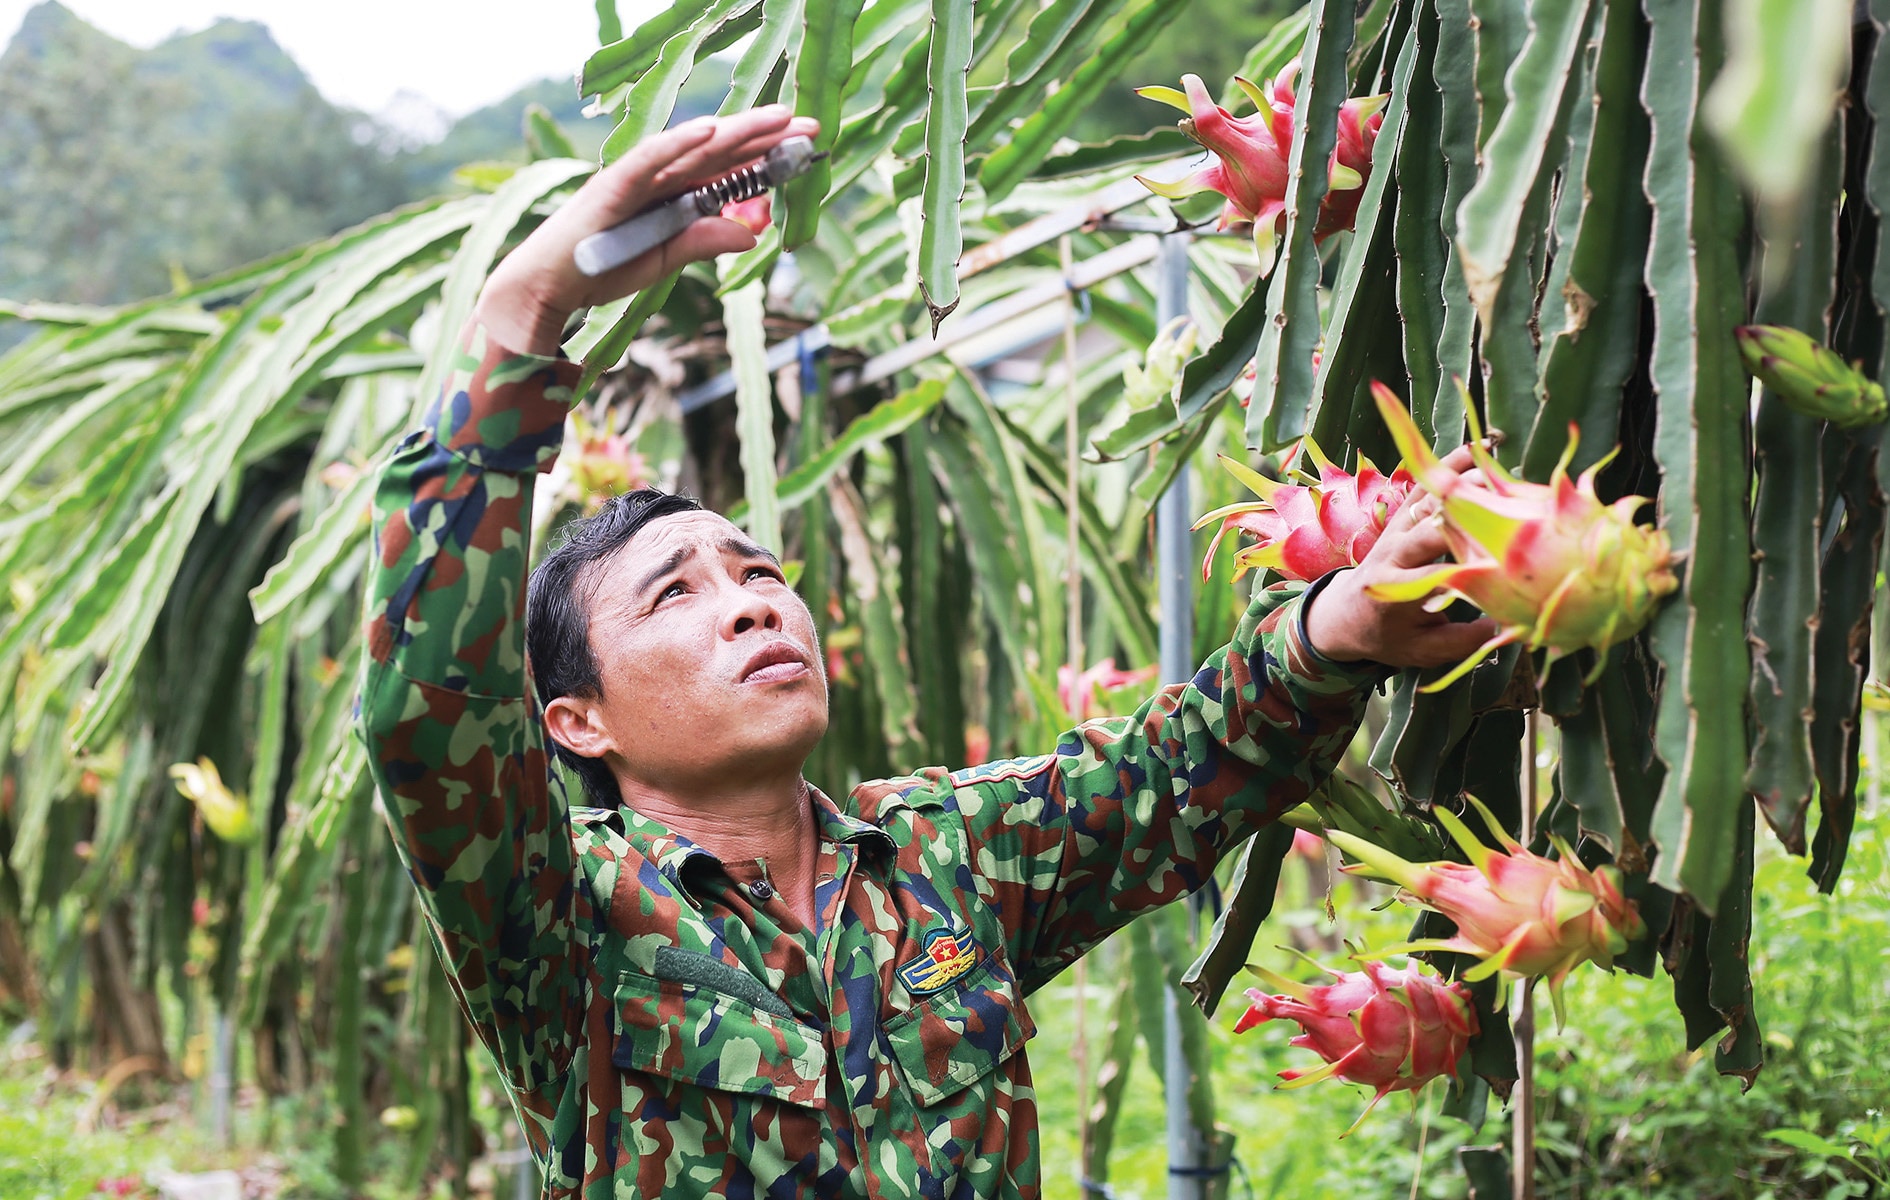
(47, 1152)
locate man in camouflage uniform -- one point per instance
(713, 979)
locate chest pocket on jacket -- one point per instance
(695, 1035)
(955, 1037)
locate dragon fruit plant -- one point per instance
(1304, 530)
(1250, 167)
(1519, 913)
(1392, 1030)
(1550, 563)
(601, 464)
(1810, 377)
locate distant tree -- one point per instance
(301, 174)
(89, 177)
(125, 167)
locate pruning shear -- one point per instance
(657, 224)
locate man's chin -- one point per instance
(783, 737)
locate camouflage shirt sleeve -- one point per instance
(453, 734)
(1134, 812)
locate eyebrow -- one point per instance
(733, 545)
(746, 549)
(665, 567)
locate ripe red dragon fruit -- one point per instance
(1520, 913)
(1251, 152)
(1550, 563)
(1303, 531)
(1392, 1030)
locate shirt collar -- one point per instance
(669, 852)
(680, 859)
(837, 826)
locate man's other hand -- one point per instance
(534, 291)
(1346, 624)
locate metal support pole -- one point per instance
(1523, 1123)
(1173, 542)
(1174, 553)
(222, 1074)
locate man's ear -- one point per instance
(575, 724)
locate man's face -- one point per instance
(710, 664)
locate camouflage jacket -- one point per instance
(665, 1025)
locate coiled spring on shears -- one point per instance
(610, 248)
(744, 183)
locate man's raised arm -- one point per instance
(454, 738)
(1132, 813)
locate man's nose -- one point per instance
(746, 610)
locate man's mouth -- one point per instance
(775, 663)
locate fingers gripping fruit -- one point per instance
(1550, 563)
(1303, 531)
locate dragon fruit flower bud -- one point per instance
(1550, 563)
(223, 811)
(1303, 531)
(1809, 377)
(1522, 914)
(1392, 1030)
(1250, 167)
(1144, 385)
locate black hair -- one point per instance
(558, 618)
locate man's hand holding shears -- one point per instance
(533, 292)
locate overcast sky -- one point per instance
(459, 54)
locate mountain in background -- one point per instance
(121, 168)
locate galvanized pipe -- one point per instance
(1174, 555)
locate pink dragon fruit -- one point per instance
(1309, 846)
(1520, 913)
(1251, 153)
(1392, 1030)
(1550, 563)
(1303, 531)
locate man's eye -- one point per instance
(764, 572)
(674, 589)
